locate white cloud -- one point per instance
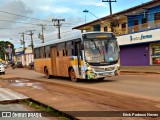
(71, 10)
(93, 3)
(55, 10)
(15, 7)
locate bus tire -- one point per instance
(72, 75)
(47, 73)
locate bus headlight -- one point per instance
(118, 67)
(117, 72)
(88, 67)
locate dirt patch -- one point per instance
(101, 99)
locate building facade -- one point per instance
(25, 57)
(138, 33)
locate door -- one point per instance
(53, 56)
(78, 54)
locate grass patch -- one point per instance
(47, 110)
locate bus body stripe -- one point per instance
(75, 62)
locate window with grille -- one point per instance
(105, 29)
(123, 25)
(144, 20)
(157, 16)
(135, 22)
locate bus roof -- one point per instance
(55, 41)
(76, 36)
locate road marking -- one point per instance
(7, 94)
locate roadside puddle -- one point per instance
(23, 82)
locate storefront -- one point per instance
(18, 54)
(155, 53)
(140, 49)
(28, 56)
(24, 58)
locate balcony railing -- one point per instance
(138, 28)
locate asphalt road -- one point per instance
(138, 85)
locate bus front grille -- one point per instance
(104, 69)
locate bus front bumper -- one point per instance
(97, 75)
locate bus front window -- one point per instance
(93, 52)
(111, 51)
(101, 51)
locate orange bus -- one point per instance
(90, 55)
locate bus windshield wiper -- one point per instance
(97, 47)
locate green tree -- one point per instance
(3, 47)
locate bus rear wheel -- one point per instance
(47, 73)
(72, 75)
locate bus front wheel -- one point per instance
(46, 73)
(72, 75)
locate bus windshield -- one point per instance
(97, 50)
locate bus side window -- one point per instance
(72, 51)
(57, 53)
(42, 52)
(63, 53)
(69, 47)
(61, 48)
(36, 53)
(66, 52)
(47, 51)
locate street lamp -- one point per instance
(87, 11)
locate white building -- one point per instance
(24, 57)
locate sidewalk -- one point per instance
(141, 69)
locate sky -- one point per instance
(17, 16)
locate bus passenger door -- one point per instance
(78, 54)
(53, 56)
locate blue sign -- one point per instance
(142, 37)
(19, 53)
(145, 36)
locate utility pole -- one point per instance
(22, 41)
(57, 23)
(39, 35)
(31, 34)
(110, 6)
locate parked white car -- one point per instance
(2, 69)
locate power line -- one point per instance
(17, 22)
(9, 36)
(23, 16)
(17, 28)
(56, 34)
(27, 17)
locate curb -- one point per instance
(146, 72)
